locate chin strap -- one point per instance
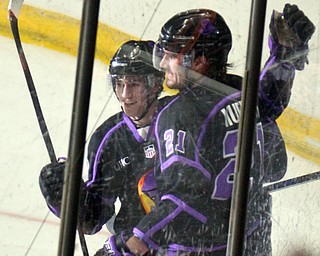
(149, 103)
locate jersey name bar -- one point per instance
(231, 113)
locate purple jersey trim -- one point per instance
(130, 125)
(132, 128)
(178, 247)
(53, 210)
(160, 224)
(186, 208)
(185, 161)
(142, 236)
(263, 96)
(267, 66)
(99, 151)
(211, 115)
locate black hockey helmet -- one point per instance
(134, 58)
(201, 30)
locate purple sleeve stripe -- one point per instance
(178, 247)
(53, 210)
(160, 224)
(163, 222)
(132, 128)
(185, 161)
(211, 115)
(142, 236)
(267, 66)
(99, 152)
(186, 208)
(263, 96)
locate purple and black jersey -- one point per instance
(118, 156)
(196, 134)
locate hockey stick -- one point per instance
(292, 182)
(14, 9)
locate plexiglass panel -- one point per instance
(174, 157)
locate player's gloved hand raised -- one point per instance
(290, 33)
(51, 181)
(298, 22)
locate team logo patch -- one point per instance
(149, 151)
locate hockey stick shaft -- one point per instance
(43, 127)
(32, 89)
(293, 182)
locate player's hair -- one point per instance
(200, 32)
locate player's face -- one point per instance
(132, 94)
(175, 71)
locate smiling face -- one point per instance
(132, 94)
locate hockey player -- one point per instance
(196, 134)
(120, 151)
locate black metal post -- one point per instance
(246, 129)
(81, 101)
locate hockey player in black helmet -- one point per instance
(121, 151)
(132, 63)
(196, 134)
(202, 37)
(193, 34)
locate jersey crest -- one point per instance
(149, 151)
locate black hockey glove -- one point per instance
(51, 181)
(290, 33)
(299, 23)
